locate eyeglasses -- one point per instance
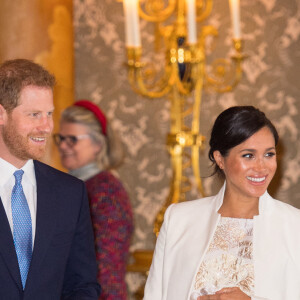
(71, 140)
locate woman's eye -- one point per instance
(73, 139)
(248, 155)
(270, 154)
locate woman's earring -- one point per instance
(220, 165)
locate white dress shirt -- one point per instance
(7, 182)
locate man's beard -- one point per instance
(20, 146)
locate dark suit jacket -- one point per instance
(63, 262)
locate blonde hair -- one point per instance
(111, 153)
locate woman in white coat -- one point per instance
(240, 244)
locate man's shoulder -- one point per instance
(68, 189)
(53, 173)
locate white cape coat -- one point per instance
(186, 234)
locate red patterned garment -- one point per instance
(113, 225)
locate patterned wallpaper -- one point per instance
(271, 30)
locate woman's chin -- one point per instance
(68, 165)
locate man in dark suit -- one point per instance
(46, 238)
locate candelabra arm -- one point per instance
(136, 70)
(204, 14)
(224, 77)
(156, 12)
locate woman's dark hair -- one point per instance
(235, 125)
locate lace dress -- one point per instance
(228, 260)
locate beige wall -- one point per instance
(42, 30)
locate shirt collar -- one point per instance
(7, 170)
(28, 169)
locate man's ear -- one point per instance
(3, 115)
(219, 159)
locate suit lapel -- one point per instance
(7, 248)
(45, 220)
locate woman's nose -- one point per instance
(260, 164)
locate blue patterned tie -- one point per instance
(22, 229)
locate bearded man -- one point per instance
(46, 238)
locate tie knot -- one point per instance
(18, 175)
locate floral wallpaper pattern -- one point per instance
(271, 30)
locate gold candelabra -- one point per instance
(185, 75)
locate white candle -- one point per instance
(191, 21)
(132, 26)
(235, 18)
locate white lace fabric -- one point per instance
(228, 260)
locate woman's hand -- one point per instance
(226, 294)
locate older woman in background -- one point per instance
(89, 150)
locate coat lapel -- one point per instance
(193, 242)
(7, 248)
(45, 221)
